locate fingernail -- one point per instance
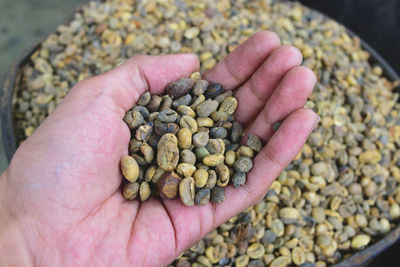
(316, 120)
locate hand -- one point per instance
(60, 201)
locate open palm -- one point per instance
(61, 191)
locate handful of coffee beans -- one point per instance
(186, 143)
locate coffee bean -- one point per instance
(188, 122)
(243, 164)
(238, 179)
(213, 90)
(168, 185)
(168, 115)
(211, 180)
(236, 132)
(186, 191)
(154, 103)
(200, 178)
(163, 128)
(129, 168)
(254, 142)
(206, 108)
(185, 169)
(144, 191)
(217, 194)
(182, 101)
(130, 190)
(188, 156)
(200, 139)
(184, 138)
(144, 99)
(223, 175)
(218, 132)
(200, 87)
(202, 197)
(133, 119)
(180, 88)
(185, 110)
(168, 156)
(143, 111)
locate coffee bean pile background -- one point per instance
(342, 191)
(186, 143)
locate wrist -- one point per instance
(13, 247)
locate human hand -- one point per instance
(60, 201)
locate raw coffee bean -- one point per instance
(206, 108)
(201, 153)
(214, 159)
(213, 90)
(223, 175)
(180, 88)
(202, 197)
(144, 99)
(221, 97)
(212, 179)
(162, 128)
(184, 138)
(200, 87)
(238, 179)
(139, 159)
(143, 111)
(185, 110)
(200, 178)
(243, 164)
(229, 105)
(215, 146)
(204, 122)
(153, 140)
(168, 115)
(166, 103)
(255, 251)
(236, 132)
(218, 116)
(218, 132)
(129, 168)
(186, 191)
(232, 147)
(185, 169)
(133, 119)
(200, 99)
(200, 139)
(150, 172)
(168, 156)
(254, 142)
(147, 152)
(144, 191)
(130, 190)
(157, 175)
(153, 116)
(144, 132)
(188, 122)
(245, 151)
(168, 185)
(134, 146)
(168, 137)
(188, 156)
(217, 194)
(230, 157)
(225, 124)
(154, 103)
(182, 101)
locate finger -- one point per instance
(124, 84)
(268, 164)
(239, 65)
(258, 89)
(291, 94)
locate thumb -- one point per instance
(123, 85)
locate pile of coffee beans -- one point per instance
(186, 143)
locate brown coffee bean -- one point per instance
(153, 116)
(130, 190)
(186, 191)
(157, 175)
(200, 139)
(213, 159)
(144, 191)
(236, 132)
(168, 115)
(206, 108)
(254, 142)
(202, 197)
(200, 87)
(147, 152)
(144, 99)
(168, 185)
(154, 103)
(184, 138)
(212, 179)
(140, 160)
(228, 105)
(129, 168)
(243, 164)
(144, 132)
(180, 88)
(166, 103)
(133, 119)
(185, 169)
(188, 122)
(134, 146)
(150, 172)
(200, 178)
(188, 156)
(217, 194)
(168, 156)
(223, 175)
(162, 128)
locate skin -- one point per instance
(60, 201)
